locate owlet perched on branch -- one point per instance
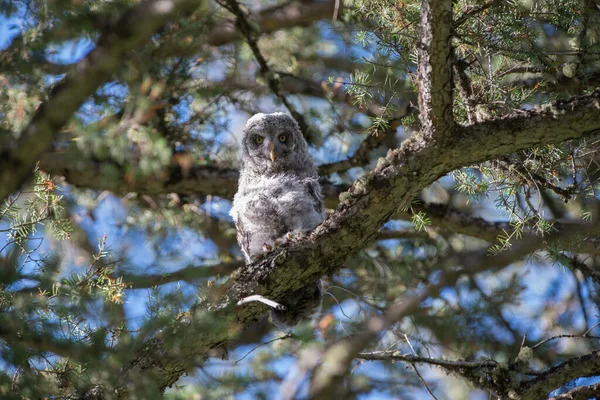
(278, 194)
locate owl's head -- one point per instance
(273, 143)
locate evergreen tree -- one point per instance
(457, 143)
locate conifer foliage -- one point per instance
(457, 143)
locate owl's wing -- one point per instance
(243, 238)
(313, 189)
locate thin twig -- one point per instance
(424, 382)
(263, 344)
(583, 336)
(271, 77)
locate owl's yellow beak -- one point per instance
(272, 150)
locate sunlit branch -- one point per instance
(580, 393)
(555, 377)
(338, 358)
(448, 365)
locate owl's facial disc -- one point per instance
(271, 144)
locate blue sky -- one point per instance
(146, 254)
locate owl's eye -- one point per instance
(258, 139)
(282, 138)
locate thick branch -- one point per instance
(573, 368)
(81, 171)
(133, 29)
(580, 393)
(435, 67)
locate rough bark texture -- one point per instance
(133, 29)
(580, 393)
(542, 385)
(435, 67)
(80, 171)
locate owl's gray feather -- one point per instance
(279, 196)
(278, 193)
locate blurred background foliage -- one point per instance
(118, 232)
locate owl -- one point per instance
(279, 193)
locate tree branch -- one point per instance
(291, 84)
(79, 170)
(475, 11)
(133, 29)
(360, 156)
(580, 393)
(338, 358)
(448, 219)
(106, 175)
(435, 67)
(295, 13)
(555, 377)
(13, 331)
(448, 365)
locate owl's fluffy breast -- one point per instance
(267, 207)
